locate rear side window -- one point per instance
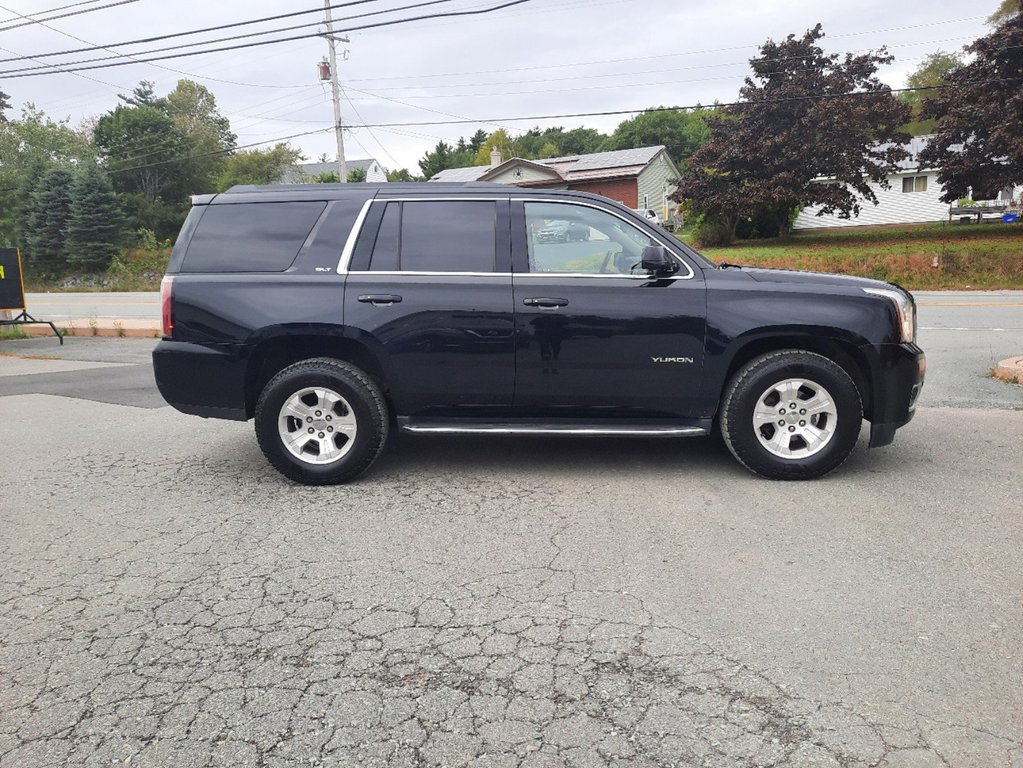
(250, 237)
(437, 236)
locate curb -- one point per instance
(130, 329)
(1009, 370)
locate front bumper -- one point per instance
(900, 370)
(207, 381)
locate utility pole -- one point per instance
(342, 167)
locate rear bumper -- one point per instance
(898, 381)
(207, 381)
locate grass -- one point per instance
(11, 332)
(919, 257)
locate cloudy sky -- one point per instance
(541, 57)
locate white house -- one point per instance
(638, 178)
(913, 196)
(304, 172)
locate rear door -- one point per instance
(597, 334)
(429, 290)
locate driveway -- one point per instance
(169, 600)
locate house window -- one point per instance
(914, 184)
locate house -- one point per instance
(913, 196)
(303, 173)
(638, 178)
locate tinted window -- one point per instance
(385, 250)
(250, 237)
(448, 236)
(331, 233)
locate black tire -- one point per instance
(365, 405)
(743, 395)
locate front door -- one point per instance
(596, 334)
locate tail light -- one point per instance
(166, 289)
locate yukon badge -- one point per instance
(672, 359)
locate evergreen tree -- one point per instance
(51, 206)
(94, 225)
(5, 104)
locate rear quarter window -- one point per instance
(250, 237)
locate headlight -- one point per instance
(904, 308)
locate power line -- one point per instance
(717, 105)
(809, 97)
(57, 68)
(157, 38)
(58, 8)
(131, 57)
(66, 15)
(94, 47)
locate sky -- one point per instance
(541, 57)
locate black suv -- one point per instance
(333, 313)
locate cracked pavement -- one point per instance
(166, 599)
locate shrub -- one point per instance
(711, 232)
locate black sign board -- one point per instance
(12, 288)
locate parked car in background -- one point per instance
(649, 214)
(562, 232)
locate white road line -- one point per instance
(947, 328)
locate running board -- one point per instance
(629, 429)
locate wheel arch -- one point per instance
(275, 351)
(843, 352)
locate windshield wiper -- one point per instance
(728, 265)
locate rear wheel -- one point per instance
(321, 421)
(791, 415)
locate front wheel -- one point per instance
(791, 415)
(321, 421)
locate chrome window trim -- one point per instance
(353, 237)
(602, 276)
(421, 273)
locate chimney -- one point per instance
(495, 157)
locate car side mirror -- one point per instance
(656, 260)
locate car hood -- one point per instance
(814, 278)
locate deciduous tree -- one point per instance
(257, 166)
(681, 131)
(932, 72)
(978, 142)
(803, 116)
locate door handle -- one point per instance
(545, 302)
(380, 299)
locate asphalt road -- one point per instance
(168, 599)
(83, 306)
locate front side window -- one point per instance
(574, 239)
